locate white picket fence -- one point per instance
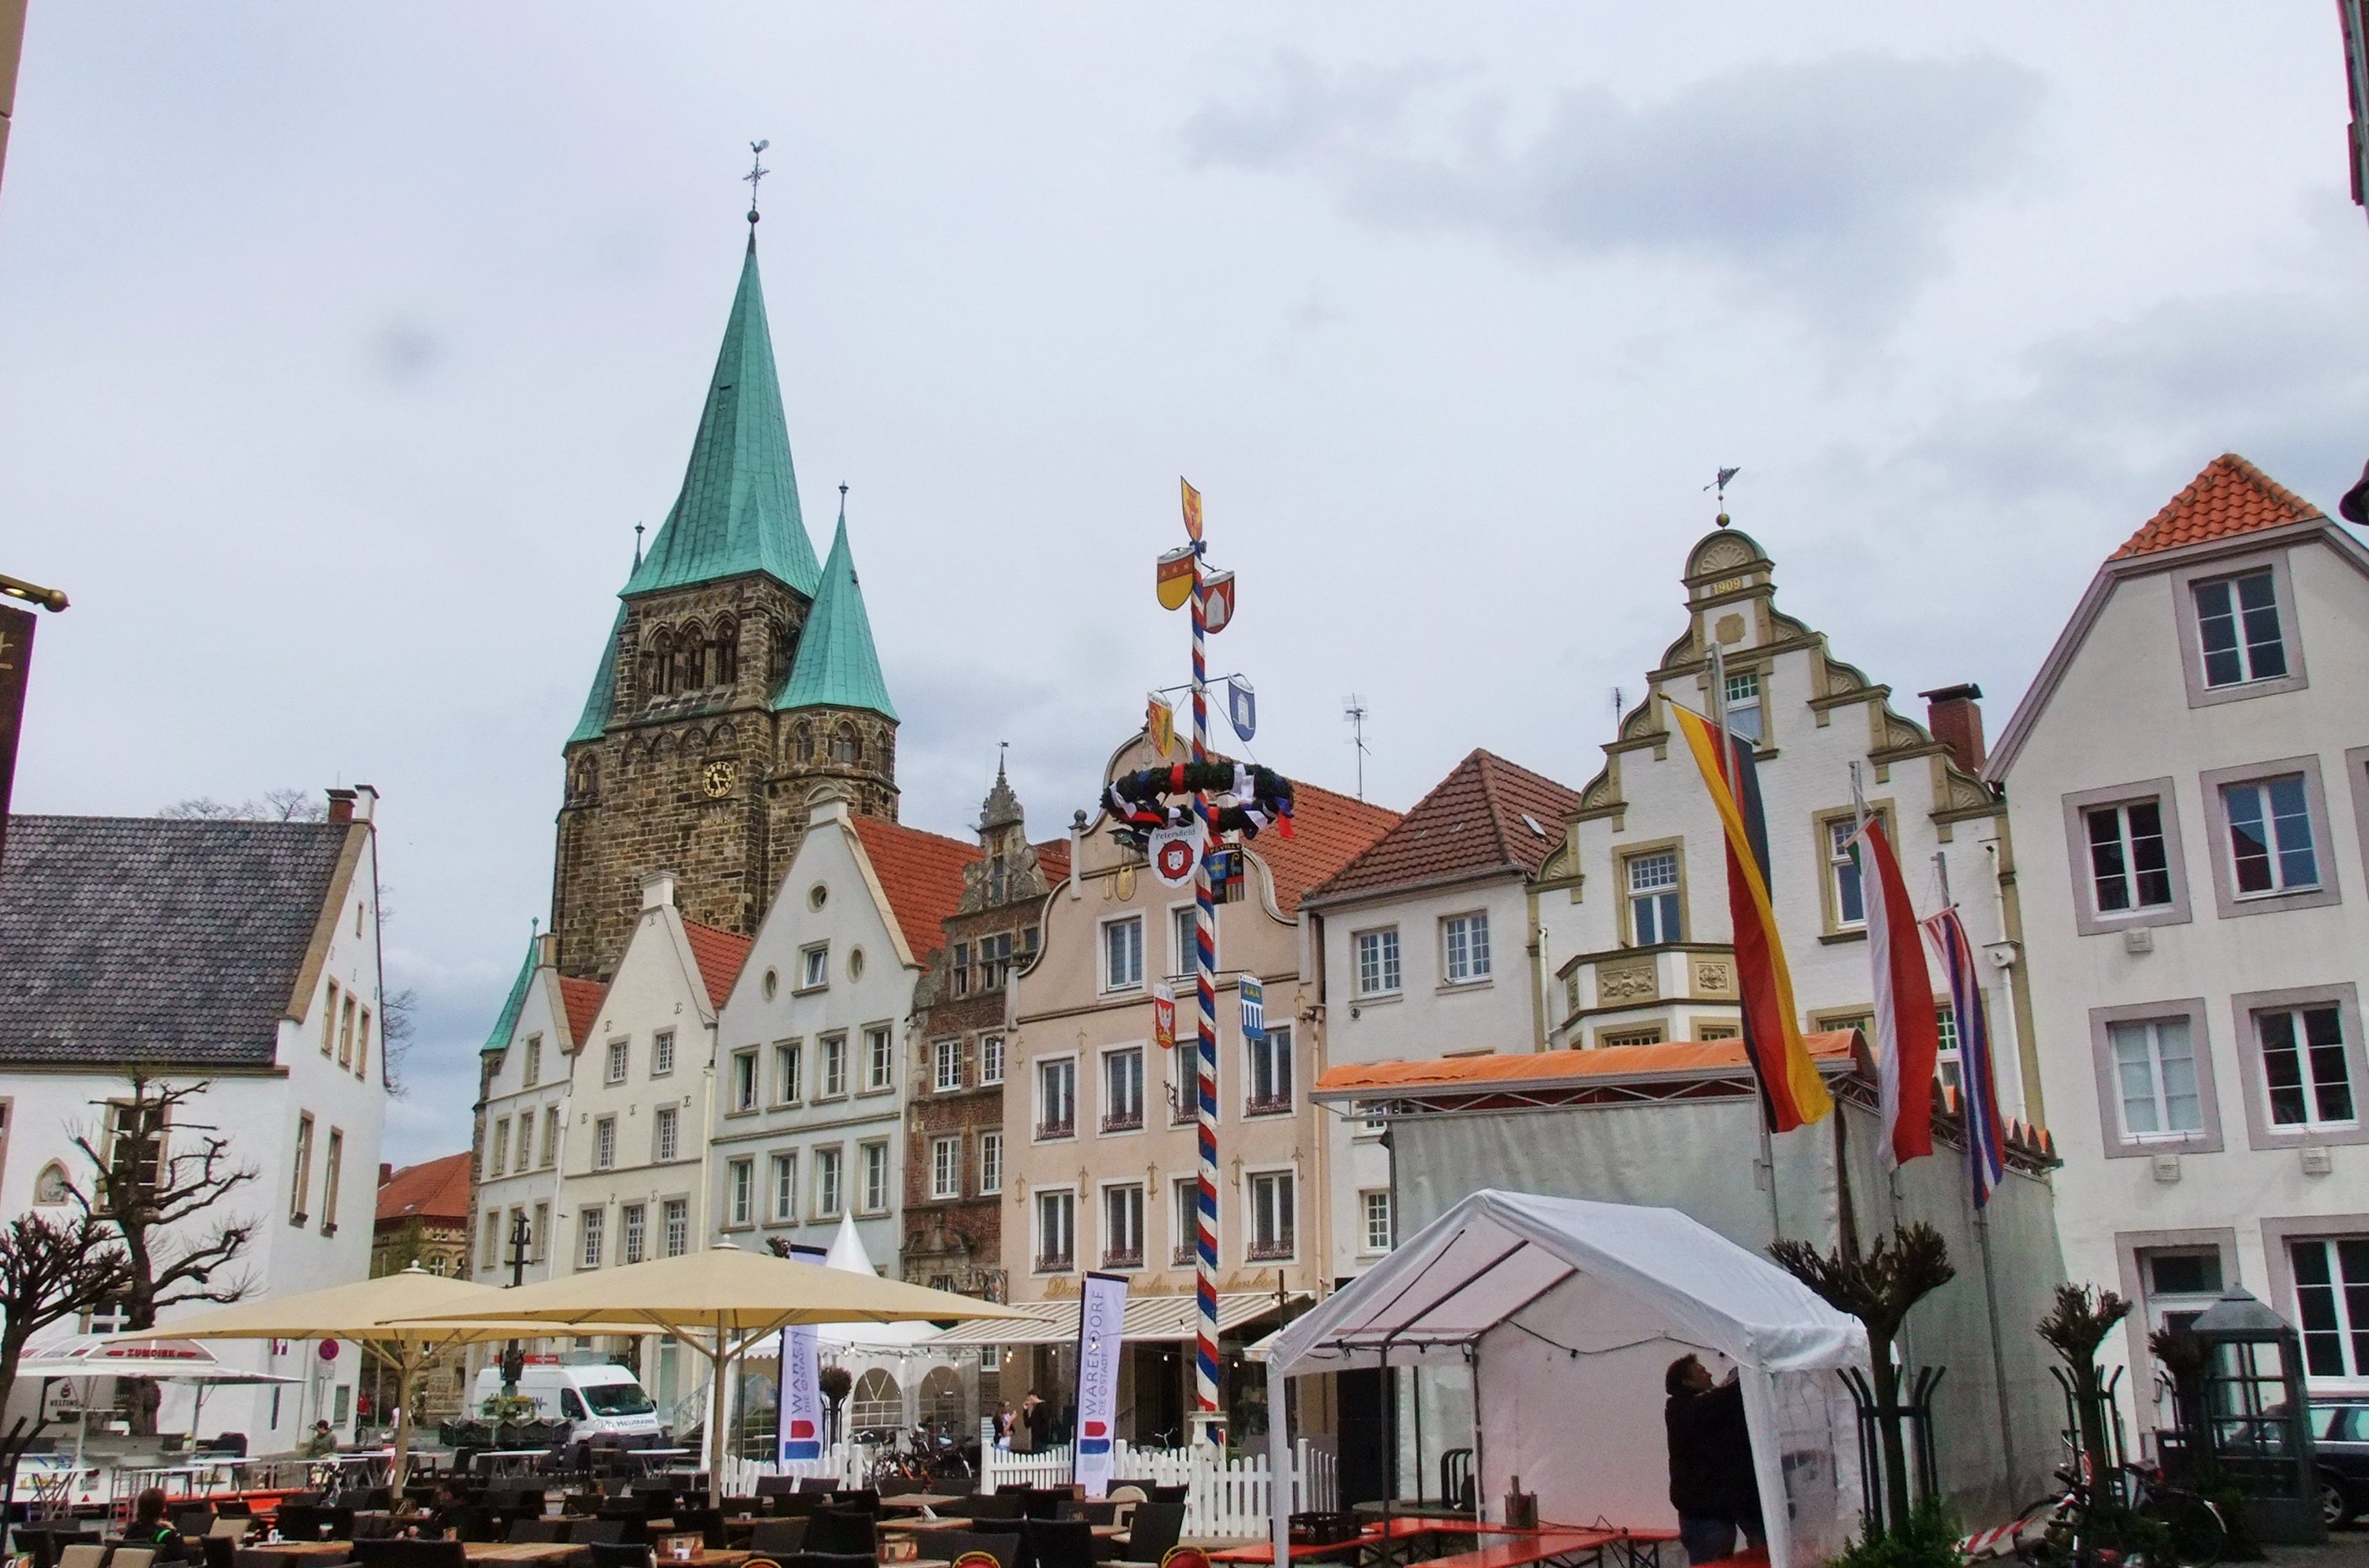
(1227, 1500)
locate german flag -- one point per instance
(1791, 1094)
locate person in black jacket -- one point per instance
(1711, 1482)
(149, 1530)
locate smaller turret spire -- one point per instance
(837, 666)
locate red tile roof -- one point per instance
(1328, 831)
(2230, 497)
(583, 1001)
(1053, 859)
(921, 873)
(436, 1190)
(719, 954)
(1487, 813)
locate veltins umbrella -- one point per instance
(731, 1296)
(384, 1312)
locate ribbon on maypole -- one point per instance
(1205, 987)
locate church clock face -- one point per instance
(717, 779)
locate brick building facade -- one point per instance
(738, 681)
(954, 1231)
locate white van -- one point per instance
(598, 1400)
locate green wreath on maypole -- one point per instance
(1251, 799)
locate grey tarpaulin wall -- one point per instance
(1698, 1156)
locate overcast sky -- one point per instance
(341, 348)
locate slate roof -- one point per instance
(719, 954)
(583, 998)
(436, 1190)
(1329, 830)
(837, 666)
(141, 940)
(1478, 818)
(922, 874)
(2230, 497)
(738, 511)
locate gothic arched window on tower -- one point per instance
(845, 747)
(658, 664)
(693, 658)
(778, 653)
(802, 744)
(724, 661)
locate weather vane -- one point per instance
(1719, 485)
(757, 171)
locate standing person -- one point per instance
(1712, 1484)
(1003, 1426)
(1024, 1425)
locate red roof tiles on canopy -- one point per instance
(583, 1001)
(719, 954)
(2230, 498)
(921, 873)
(1487, 813)
(437, 1189)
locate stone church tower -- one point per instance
(738, 684)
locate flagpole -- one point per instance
(1727, 761)
(1982, 1213)
(1204, 983)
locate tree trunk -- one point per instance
(1886, 1379)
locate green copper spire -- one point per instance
(603, 695)
(837, 666)
(500, 1040)
(738, 509)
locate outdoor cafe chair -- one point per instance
(132, 1556)
(708, 1522)
(830, 1559)
(840, 1532)
(1055, 1543)
(1001, 1506)
(398, 1553)
(953, 1546)
(775, 1538)
(83, 1554)
(1156, 1528)
(294, 1521)
(609, 1555)
(195, 1521)
(218, 1551)
(597, 1532)
(537, 1528)
(817, 1484)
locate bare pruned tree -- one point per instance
(276, 806)
(154, 1172)
(50, 1270)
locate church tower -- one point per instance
(739, 682)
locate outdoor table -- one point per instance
(909, 1526)
(906, 1500)
(1300, 1552)
(509, 1464)
(709, 1556)
(522, 1550)
(292, 1553)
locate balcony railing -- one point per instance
(1272, 1248)
(1066, 1128)
(1124, 1121)
(1055, 1263)
(1267, 1105)
(1131, 1259)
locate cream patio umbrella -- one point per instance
(383, 1311)
(731, 1297)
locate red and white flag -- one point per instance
(1908, 1037)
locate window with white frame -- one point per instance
(958, 965)
(549, 1155)
(1183, 1083)
(991, 1059)
(785, 1187)
(990, 1162)
(1653, 883)
(492, 1232)
(591, 1225)
(2181, 1283)
(994, 960)
(2306, 1073)
(740, 1183)
(2155, 1077)
(789, 1071)
(1377, 961)
(1184, 921)
(1123, 953)
(1057, 1231)
(633, 1230)
(1267, 1081)
(744, 1080)
(814, 967)
(2130, 866)
(834, 1066)
(619, 1055)
(666, 1124)
(1123, 1089)
(1744, 705)
(662, 1053)
(2238, 629)
(1947, 1060)
(1464, 947)
(676, 1215)
(875, 1177)
(499, 1160)
(531, 1071)
(879, 1058)
(1185, 1216)
(1123, 1226)
(945, 1167)
(604, 1143)
(828, 1197)
(2271, 848)
(2331, 1277)
(1374, 1207)
(1846, 889)
(947, 1065)
(1273, 1217)
(1057, 1097)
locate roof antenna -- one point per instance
(1353, 708)
(1619, 707)
(1719, 485)
(637, 546)
(757, 171)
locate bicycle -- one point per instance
(2071, 1527)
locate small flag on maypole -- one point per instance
(1192, 510)
(1175, 578)
(1160, 724)
(1791, 1093)
(1241, 707)
(1907, 1041)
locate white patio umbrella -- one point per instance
(86, 1357)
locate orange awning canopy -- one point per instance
(1677, 1059)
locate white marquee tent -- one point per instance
(1568, 1314)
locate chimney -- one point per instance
(365, 802)
(342, 806)
(1955, 714)
(546, 950)
(385, 1172)
(658, 890)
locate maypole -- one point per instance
(1204, 985)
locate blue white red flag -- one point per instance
(1102, 1314)
(1253, 1009)
(800, 1407)
(1977, 1073)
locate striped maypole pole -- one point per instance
(1205, 983)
